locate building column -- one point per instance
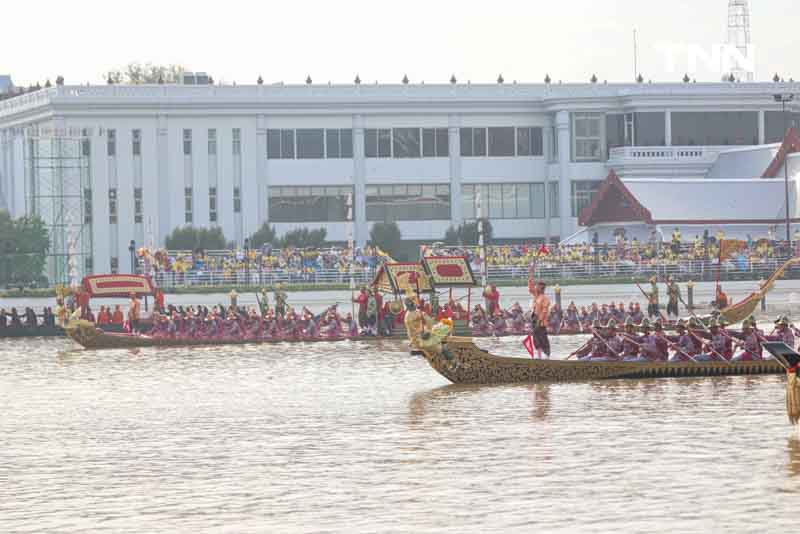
(454, 149)
(162, 222)
(668, 128)
(262, 174)
(762, 130)
(565, 182)
(360, 225)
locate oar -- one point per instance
(629, 338)
(709, 347)
(576, 351)
(677, 347)
(615, 353)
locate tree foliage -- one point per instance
(191, 238)
(137, 73)
(24, 244)
(467, 233)
(263, 236)
(303, 238)
(387, 236)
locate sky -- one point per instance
(428, 40)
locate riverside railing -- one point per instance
(684, 270)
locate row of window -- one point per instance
(138, 204)
(406, 202)
(508, 201)
(501, 142)
(593, 135)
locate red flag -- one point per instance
(528, 343)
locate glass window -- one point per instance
(212, 142)
(715, 128)
(615, 131)
(587, 136)
(237, 200)
(649, 129)
(501, 142)
(384, 143)
(371, 143)
(136, 135)
(530, 142)
(280, 144)
(509, 200)
(583, 192)
(494, 201)
(479, 142)
(346, 142)
(138, 208)
(413, 202)
(523, 201)
(435, 143)
(308, 204)
(112, 142)
(537, 200)
(287, 144)
(332, 147)
(187, 142)
(187, 205)
(406, 142)
(310, 144)
(273, 144)
(776, 124)
(468, 201)
(466, 142)
(212, 204)
(553, 187)
(86, 143)
(112, 206)
(237, 141)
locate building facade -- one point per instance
(164, 156)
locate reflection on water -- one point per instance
(363, 437)
(794, 455)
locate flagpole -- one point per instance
(481, 243)
(351, 244)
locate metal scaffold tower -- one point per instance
(58, 190)
(739, 36)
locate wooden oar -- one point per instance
(677, 347)
(616, 354)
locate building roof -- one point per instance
(737, 201)
(745, 162)
(790, 145)
(688, 201)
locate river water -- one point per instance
(363, 437)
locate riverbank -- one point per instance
(327, 286)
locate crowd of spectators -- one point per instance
(335, 264)
(289, 264)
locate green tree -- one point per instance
(387, 236)
(467, 233)
(24, 244)
(136, 73)
(303, 238)
(191, 238)
(262, 236)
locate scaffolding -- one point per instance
(58, 190)
(739, 36)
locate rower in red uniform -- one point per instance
(492, 297)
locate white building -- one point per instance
(237, 156)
